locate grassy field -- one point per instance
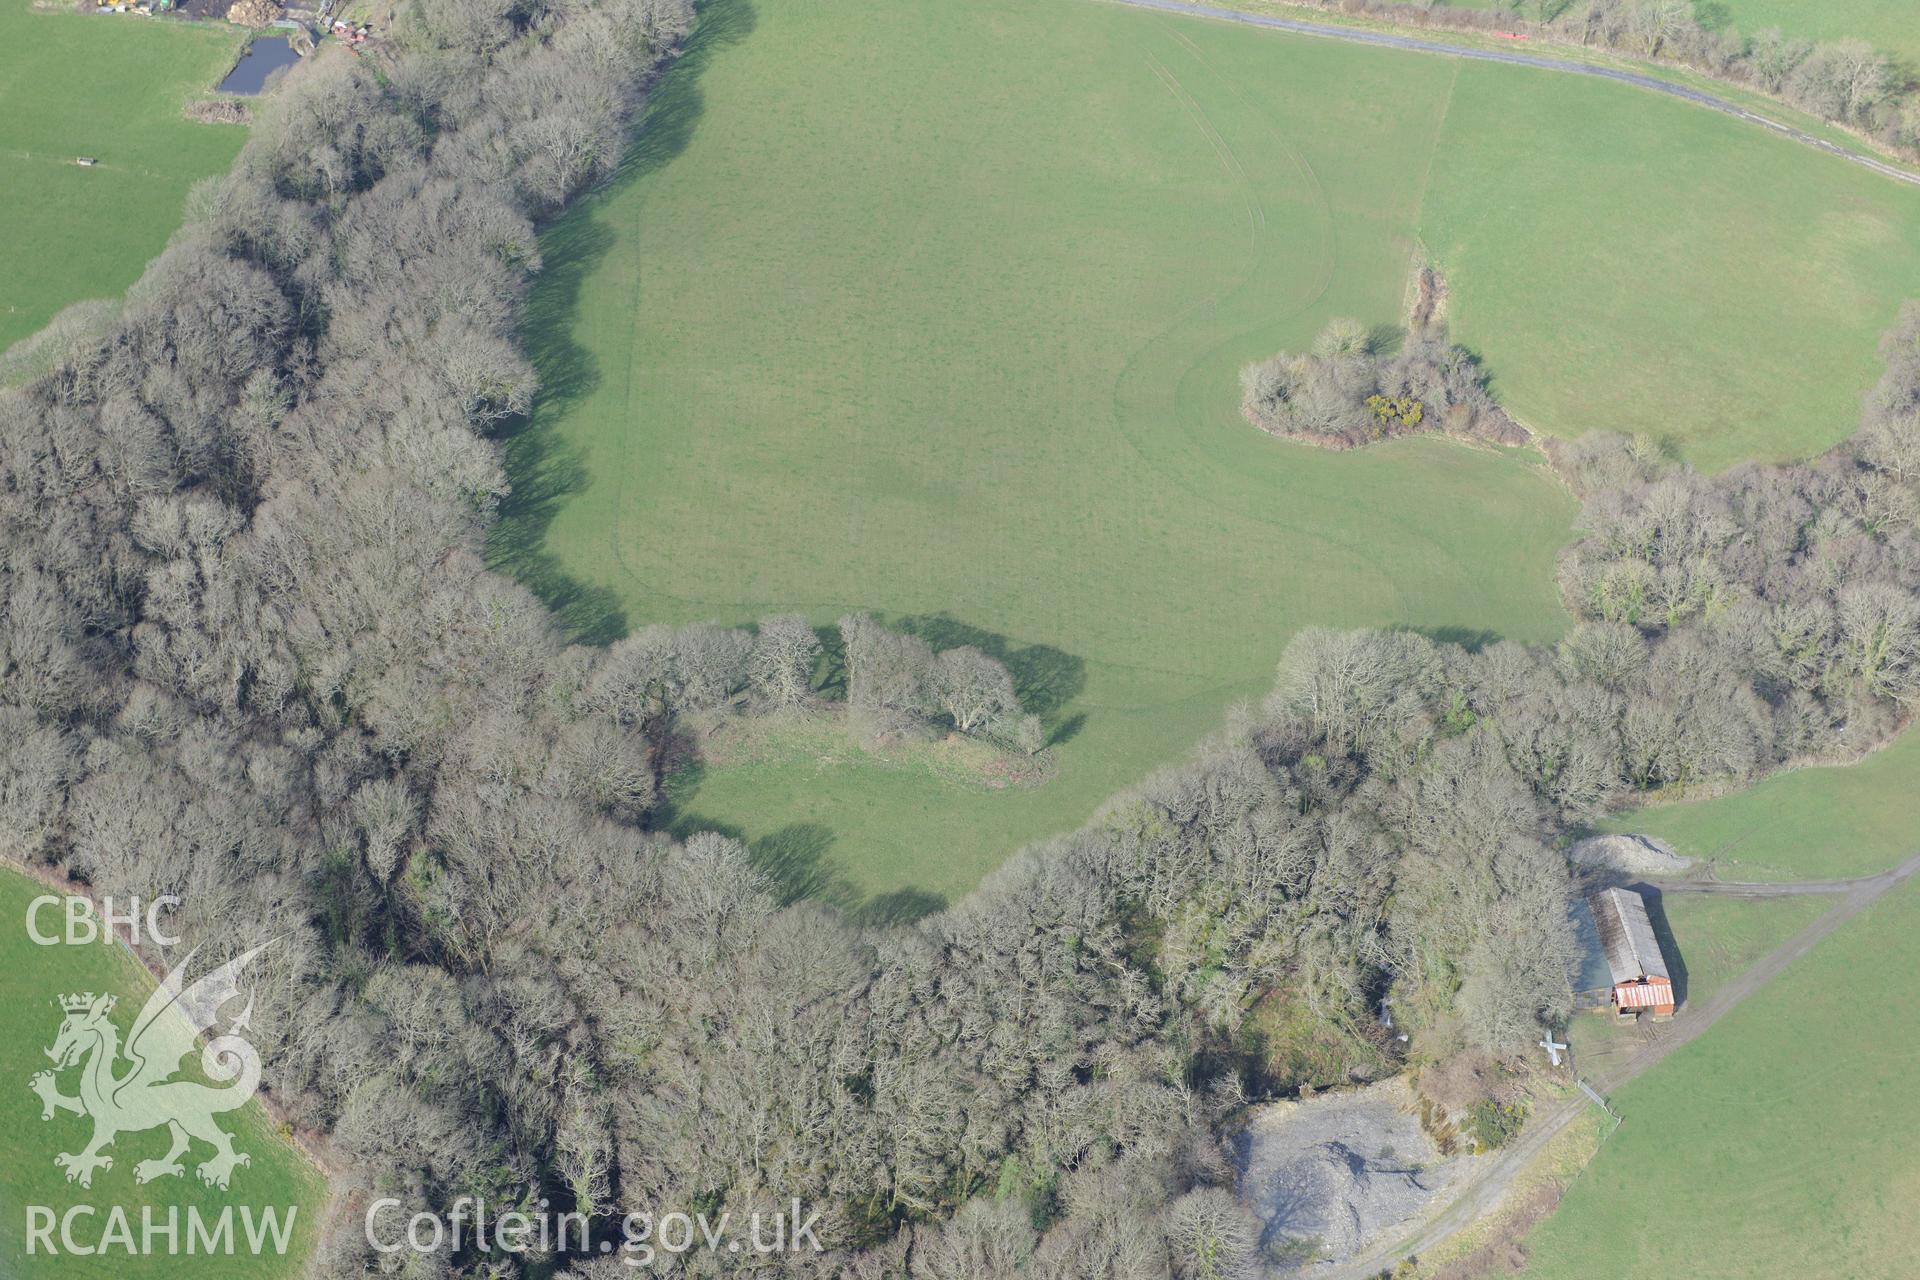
(1615, 262)
(109, 87)
(1772, 1148)
(1810, 824)
(31, 977)
(1715, 939)
(852, 333)
(832, 347)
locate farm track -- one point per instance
(1542, 62)
(1752, 888)
(1486, 1190)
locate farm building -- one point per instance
(1640, 978)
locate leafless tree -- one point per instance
(973, 688)
(785, 650)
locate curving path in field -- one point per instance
(1484, 1191)
(1420, 44)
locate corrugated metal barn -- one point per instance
(1641, 982)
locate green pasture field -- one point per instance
(108, 86)
(1809, 824)
(1714, 939)
(32, 977)
(936, 310)
(856, 335)
(1772, 1148)
(1617, 264)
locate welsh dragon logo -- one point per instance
(141, 1093)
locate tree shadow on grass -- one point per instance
(830, 671)
(1472, 639)
(798, 862)
(1386, 339)
(675, 102)
(798, 865)
(1045, 679)
(902, 906)
(795, 860)
(1712, 15)
(1068, 729)
(543, 469)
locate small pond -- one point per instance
(257, 65)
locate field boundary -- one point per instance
(1540, 62)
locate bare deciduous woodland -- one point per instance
(250, 655)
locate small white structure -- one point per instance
(1553, 1048)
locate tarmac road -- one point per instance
(1544, 62)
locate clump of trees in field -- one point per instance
(1846, 81)
(895, 685)
(1354, 387)
(250, 654)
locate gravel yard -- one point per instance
(1329, 1175)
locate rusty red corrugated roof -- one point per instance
(1636, 995)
